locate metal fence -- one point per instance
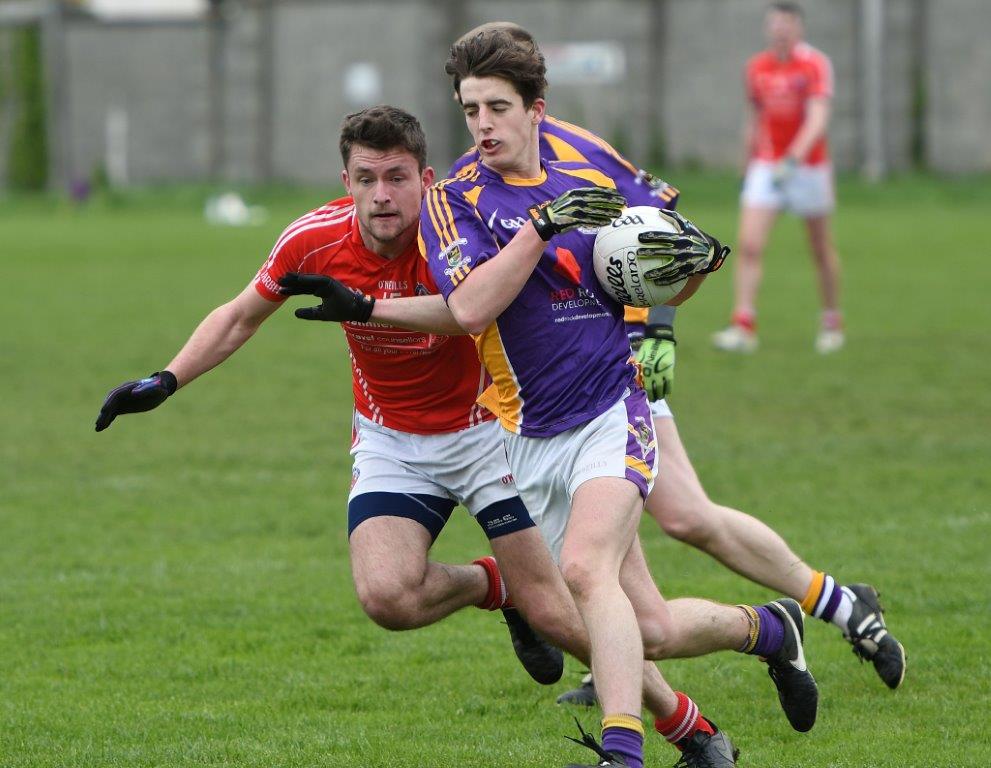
(255, 90)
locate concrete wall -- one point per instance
(958, 85)
(156, 74)
(259, 93)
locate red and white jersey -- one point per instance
(780, 90)
(410, 381)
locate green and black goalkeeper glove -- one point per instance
(690, 250)
(340, 303)
(656, 358)
(583, 207)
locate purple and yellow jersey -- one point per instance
(558, 355)
(563, 141)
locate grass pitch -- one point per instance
(176, 591)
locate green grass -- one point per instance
(176, 591)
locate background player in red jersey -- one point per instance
(789, 87)
(420, 441)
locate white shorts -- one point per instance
(548, 470)
(660, 409)
(807, 192)
(469, 466)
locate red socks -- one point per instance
(684, 722)
(498, 595)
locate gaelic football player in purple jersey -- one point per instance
(678, 501)
(578, 429)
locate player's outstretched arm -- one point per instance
(418, 313)
(221, 333)
(344, 304)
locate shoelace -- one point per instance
(693, 758)
(872, 629)
(587, 740)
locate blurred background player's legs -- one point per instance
(827, 262)
(755, 227)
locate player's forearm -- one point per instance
(691, 286)
(491, 287)
(662, 314)
(417, 313)
(813, 128)
(221, 333)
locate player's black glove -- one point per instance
(656, 357)
(583, 207)
(692, 251)
(340, 303)
(137, 397)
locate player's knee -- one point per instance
(581, 576)
(691, 523)
(388, 605)
(658, 639)
(750, 249)
(552, 623)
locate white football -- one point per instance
(619, 269)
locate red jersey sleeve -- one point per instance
(821, 75)
(297, 241)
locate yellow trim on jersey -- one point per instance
(591, 137)
(489, 399)
(527, 182)
(492, 353)
(448, 215)
(640, 466)
(440, 214)
(590, 174)
(472, 195)
(563, 150)
(635, 314)
(420, 242)
(434, 218)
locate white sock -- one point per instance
(845, 608)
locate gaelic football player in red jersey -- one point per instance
(790, 89)
(421, 444)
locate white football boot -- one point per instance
(735, 338)
(829, 340)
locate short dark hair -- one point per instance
(497, 52)
(514, 30)
(383, 127)
(787, 7)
